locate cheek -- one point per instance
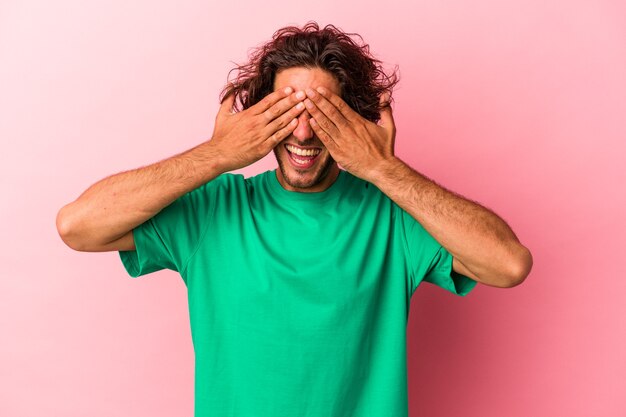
(281, 151)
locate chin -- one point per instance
(303, 178)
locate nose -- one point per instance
(303, 131)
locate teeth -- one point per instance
(303, 152)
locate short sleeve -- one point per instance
(429, 261)
(169, 239)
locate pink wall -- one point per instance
(519, 105)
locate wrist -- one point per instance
(217, 159)
(384, 169)
(204, 161)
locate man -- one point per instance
(299, 279)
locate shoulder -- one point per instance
(368, 192)
(357, 191)
(256, 180)
(222, 182)
(228, 179)
(352, 183)
(207, 193)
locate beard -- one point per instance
(297, 178)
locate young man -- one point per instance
(299, 279)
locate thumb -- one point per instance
(226, 108)
(386, 115)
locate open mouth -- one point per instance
(302, 157)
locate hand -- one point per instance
(243, 138)
(358, 145)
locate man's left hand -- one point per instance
(357, 144)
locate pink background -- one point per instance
(519, 105)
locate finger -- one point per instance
(321, 119)
(284, 119)
(281, 134)
(226, 108)
(341, 105)
(384, 100)
(326, 139)
(386, 114)
(271, 99)
(329, 109)
(282, 106)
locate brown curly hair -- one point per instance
(361, 77)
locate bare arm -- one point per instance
(102, 217)
(109, 209)
(483, 246)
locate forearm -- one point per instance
(115, 205)
(477, 237)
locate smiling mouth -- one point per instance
(302, 157)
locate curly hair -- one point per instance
(361, 77)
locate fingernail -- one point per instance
(299, 106)
(300, 95)
(308, 103)
(310, 92)
(288, 90)
(321, 90)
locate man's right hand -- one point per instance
(243, 138)
(102, 217)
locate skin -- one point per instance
(242, 138)
(102, 218)
(325, 170)
(483, 246)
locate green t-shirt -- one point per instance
(298, 302)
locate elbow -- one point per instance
(513, 273)
(521, 267)
(66, 230)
